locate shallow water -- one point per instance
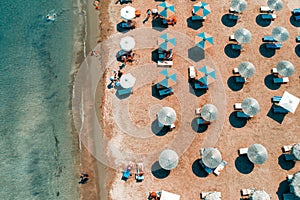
(37, 147)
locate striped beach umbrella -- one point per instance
(257, 154)
(280, 34)
(166, 9)
(166, 79)
(209, 112)
(166, 116)
(166, 41)
(242, 35)
(238, 5)
(285, 68)
(211, 157)
(246, 69)
(275, 4)
(168, 159)
(207, 75)
(201, 9)
(250, 106)
(127, 43)
(128, 12)
(204, 40)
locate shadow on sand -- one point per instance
(154, 55)
(120, 29)
(155, 92)
(285, 164)
(198, 169)
(243, 164)
(294, 22)
(157, 130)
(262, 22)
(297, 50)
(198, 128)
(283, 189)
(227, 21)
(231, 53)
(196, 92)
(237, 122)
(264, 51)
(269, 83)
(159, 172)
(196, 54)
(194, 24)
(233, 85)
(278, 117)
(157, 24)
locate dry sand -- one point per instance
(187, 179)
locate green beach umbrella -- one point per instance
(168, 159)
(201, 9)
(250, 106)
(166, 9)
(166, 116)
(166, 79)
(257, 154)
(242, 35)
(280, 34)
(209, 112)
(275, 4)
(166, 41)
(239, 5)
(246, 69)
(207, 74)
(204, 40)
(285, 68)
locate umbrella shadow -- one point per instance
(243, 164)
(264, 51)
(196, 92)
(237, 122)
(269, 83)
(196, 54)
(227, 21)
(157, 24)
(157, 130)
(297, 50)
(262, 22)
(154, 55)
(233, 85)
(231, 53)
(283, 189)
(278, 117)
(198, 128)
(194, 24)
(294, 22)
(122, 96)
(120, 29)
(198, 169)
(158, 171)
(155, 92)
(285, 164)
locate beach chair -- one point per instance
(201, 121)
(121, 92)
(166, 91)
(281, 80)
(236, 46)
(296, 11)
(240, 79)
(164, 63)
(289, 178)
(220, 167)
(232, 38)
(204, 194)
(233, 17)
(127, 171)
(289, 196)
(207, 169)
(172, 127)
(297, 17)
(273, 46)
(268, 16)
(287, 148)
(198, 111)
(246, 192)
(298, 39)
(276, 99)
(235, 71)
(279, 109)
(139, 176)
(274, 71)
(125, 1)
(289, 157)
(192, 72)
(231, 10)
(265, 9)
(198, 18)
(237, 106)
(243, 151)
(242, 115)
(201, 86)
(268, 39)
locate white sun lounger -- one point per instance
(232, 38)
(246, 192)
(237, 106)
(204, 194)
(274, 71)
(198, 111)
(220, 167)
(192, 72)
(289, 177)
(265, 9)
(235, 70)
(287, 148)
(243, 151)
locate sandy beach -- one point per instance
(127, 122)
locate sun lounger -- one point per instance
(125, 1)
(127, 172)
(281, 80)
(164, 63)
(236, 47)
(220, 167)
(139, 176)
(204, 194)
(237, 106)
(287, 148)
(242, 115)
(233, 17)
(231, 10)
(172, 126)
(192, 72)
(289, 157)
(298, 39)
(243, 151)
(273, 46)
(124, 91)
(240, 79)
(265, 9)
(201, 121)
(198, 111)
(166, 91)
(276, 99)
(296, 11)
(268, 39)
(196, 17)
(268, 16)
(289, 196)
(232, 38)
(207, 169)
(279, 109)
(246, 192)
(274, 71)
(297, 17)
(235, 71)
(289, 177)
(200, 86)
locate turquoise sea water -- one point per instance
(36, 145)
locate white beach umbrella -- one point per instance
(246, 69)
(275, 4)
(209, 112)
(250, 106)
(168, 159)
(257, 154)
(166, 116)
(280, 34)
(242, 35)
(127, 81)
(212, 196)
(211, 157)
(289, 102)
(127, 43)
(260, 195)
(285, 68)
(296, 151)
(239, 5)
(295, 185)
(128, 13)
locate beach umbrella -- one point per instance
(166, 116)
(207, 75)
(275, 4)
(289, 102)
(238, 5)
(211, 157)
(127, 81)
(212, 196)
(250, 106)
(166, 79)
(127, 43)
(209, 112)
(166, 9)
(168, 159)
(128, 13)
(257, 154)
(201, 9)
(246, 69)
(296, 151)
(285, 68)
(260, 195)
(295, 185)
(204, 40)
(242, 35)
(166, 41)
(280, 34)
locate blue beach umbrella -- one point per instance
(166, 79)
(166, 9)
(166, 41)
(204, 40)
(201, 9)
(208, 75)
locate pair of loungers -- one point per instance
(296, 13)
